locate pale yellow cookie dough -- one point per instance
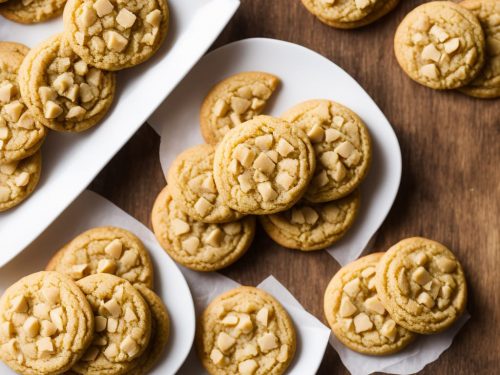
(341, 143)
(46, 324)
(355, 313)
(422, 285)
(105, 250)
(246, 331)
(236, 99)
(440, 44)
(263, 167)
(197, 245)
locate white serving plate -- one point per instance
(91, 210)
(305, 75)
(71, 161)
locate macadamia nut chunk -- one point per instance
(246, 331)
(341, 144)
(357, 316)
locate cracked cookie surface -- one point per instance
(440, 45)
(193, 189)
(246, 331)
(62, 91)
(45, 324)
(422, 285)
(236, 99)
(32, 11)
(487, 82)
(18, 179)
(115, 34)
(341, 143)
(197, 245)
(312, 226)
(122, 325)
(355, 313)
(20, 134)
(263, 167)
(105, 250)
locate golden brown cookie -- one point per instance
(18, 179)
(46, 324)
(422, 285)
(105, 250)
(312, 226)
(122, 325)
(355, 313)
(191, 183)
(61, 90)
(487, 83)
(236, 99)
(341, 143)
(115, 34)
(245, 331)
(263, 167)
(197, 245)
(349, 14)
(20, 134)
(32, 11)
(440, 44)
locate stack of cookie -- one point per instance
(443, 45)
(67, 82)
(91, 312)
(298, 173)
(379, 304)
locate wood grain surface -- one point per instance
(450, 189)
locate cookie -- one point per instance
(62, 91)
(105, 250)
(20, 134)
(32, 11)
(245, 331)
(422, 285)
(263, 167)
(46, 324)
(122, 325)
(160, 323)
(440, 45)
(487, 83)
(18, 179)
(113, 34)
(236, 99)
(193, 189)
(197, 245)
(349, 14)
(312, 226)
(355, 313)
(341, 143)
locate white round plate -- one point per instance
(91, 210)
(305, 75)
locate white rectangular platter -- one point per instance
(71, 161)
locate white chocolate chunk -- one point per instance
(420, 259)
(329, 159)
(76, 112)
(6, 330)
(103, 7)
(47, 328)
(13, 110)
(232, 228)
(429, 71)
(267, 192)
(244, 155)
(240, 105)
(216, 356)
(100, 323)
(362, 4)
(4, 132)
(113, 308)
(389, 329)
(263, 316)
(31, 326)
(284, 148)
(331, 135)
(283, 354)
(115, 41)
(94, 77)
(248, 367)
(215, 237)
(367, 272)
(56, 316)
(289, 165)
(129, 346)
(129, 259)
(257, 103)
(22, 179)
(245, 324)
(346, 308)
(439, 33)
(339, 173)
(52, 110)
(45, 345)
(421, 276)
(297, 217)
(371, 284)
(112, 325)
(345, 149)
(7, 90)
(225, 342)
(230, 320)
(86, 94)
(452, 45)
(26, 121)
(220, 108)
(264, 164)
(321, 179)
(310, 215)
(445, 264)
(362, 323)
(126, 18)
(81, 68)
(446, 291)
(114, 248)
(8, 168)
(284, 180)
(235, 118)
(106, 266)
(316, 134)
(425, 299)
(208, 185)
(111, 351)
(63, 82)
(180, 227)
(51, 295)
(374, 305)
(264, 142)
(352, 288)
(191, 245)
(203, 207)
(4, 192)
(430, 52)
(154, 18)
(246, 182)
(267, 342)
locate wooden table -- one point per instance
(450, 189)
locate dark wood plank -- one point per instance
(450, 189)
